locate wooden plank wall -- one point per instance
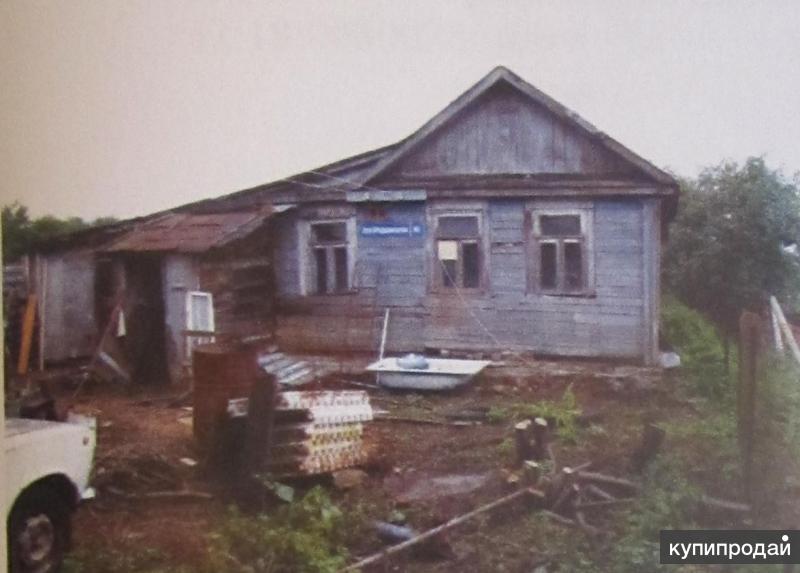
(609, 324)
(392, 273)
(505, 132)
(67, 297)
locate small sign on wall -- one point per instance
(391, 229)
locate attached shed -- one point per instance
(184, 279)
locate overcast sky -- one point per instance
(123, 108)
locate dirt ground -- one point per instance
(427, 472)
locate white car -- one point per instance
(47, 466)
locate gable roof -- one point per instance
(502, 75)
(359, 171)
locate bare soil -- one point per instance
(141, 441)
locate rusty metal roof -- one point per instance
(189, 233)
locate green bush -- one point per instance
(305, 536)
(563, 413)
(699, 346)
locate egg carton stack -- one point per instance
(319, 431)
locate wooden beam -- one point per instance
(785, 328)
(28, 323)
(444, 527)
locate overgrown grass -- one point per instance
(700, 348)
(776, 449)
(563, 414)
(306, 536)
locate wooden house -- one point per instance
(506, 222)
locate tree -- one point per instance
(16, 230)
(731, 244)
(21, 233)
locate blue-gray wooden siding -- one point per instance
(391, 273)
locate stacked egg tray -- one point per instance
(316, 432)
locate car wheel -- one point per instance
(38, 533)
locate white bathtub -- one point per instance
(441, 374)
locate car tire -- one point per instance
(38, 532)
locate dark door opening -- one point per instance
(145, 319)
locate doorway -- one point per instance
(145, 319)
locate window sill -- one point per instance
(349, 292)
(466, 292)
(584, 294)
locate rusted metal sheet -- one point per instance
(287, 370)
(221, 373)
(189, 233)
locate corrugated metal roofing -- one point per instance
(189, 233)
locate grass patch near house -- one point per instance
(562, 414)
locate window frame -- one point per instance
(195, 336)
(307, 255)
(535, 239)
(435, 277)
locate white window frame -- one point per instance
(306, 259)
(585, 213)
(192, 339)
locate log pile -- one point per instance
(570, 493)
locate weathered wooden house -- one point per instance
(171, 281)
(505, 222)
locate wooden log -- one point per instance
(28, 323)
(604, 503)
(179, 495)
(652, 438)
(541, 440)
(522, 441)
(532, 472)
(424, 421)
(609, 480)
(580, 518)
(527, 492)
(559, 518)
(561, 489)
(599, 492)
(725, 505)
(260, 423)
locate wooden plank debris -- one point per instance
(431, 533)
(28, 324)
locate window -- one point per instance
(458, 252)
(559, 252)
(330, 257)
(199, 320)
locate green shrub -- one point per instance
(305, 536)
(699, 346)
(563, 413)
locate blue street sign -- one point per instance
(391, 229)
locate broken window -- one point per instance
(330, 257)
(458, 252)
(559, 253)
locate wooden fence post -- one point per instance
(749, 346)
